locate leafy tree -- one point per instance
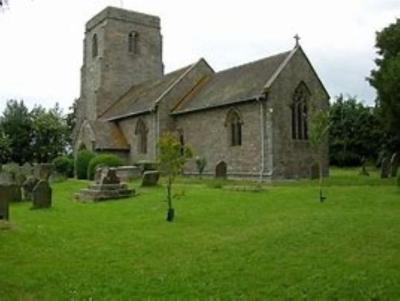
(355, 132)
(386, 78)
(201, 163)
(5, 148)
(17, 125)
(50, 133)
(319, 129)
(71, 119)
(172, 159)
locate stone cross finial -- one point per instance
(297, 38)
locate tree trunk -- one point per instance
(171, 211)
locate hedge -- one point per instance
(64, 165)
(102, 160)
(82, 162)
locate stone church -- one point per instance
(249, 121)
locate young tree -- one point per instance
(386, 78)
(17, 126)
(319, 129)
(172, 159)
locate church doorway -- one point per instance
(220, 170)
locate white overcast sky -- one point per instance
(41, 40)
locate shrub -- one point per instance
(64, 165)
(398, 180)
(102, 160)
(201, 163)
(82, 162)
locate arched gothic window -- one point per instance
(299, 106)
(132, 42)
(141, 133)
(95, 47)
(234, 124)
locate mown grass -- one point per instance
(280, 243)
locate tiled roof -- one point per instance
(141, 98)
(108, 136)
(237, 84)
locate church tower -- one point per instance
(121, 48)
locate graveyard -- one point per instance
(226, 242)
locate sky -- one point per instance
(41, 40)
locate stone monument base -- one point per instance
(104, 192)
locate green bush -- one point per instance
(64, 165)
(102, 160)
(82, 162)
(398, 180)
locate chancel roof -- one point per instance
(241, 83)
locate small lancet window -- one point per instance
(95, 47)
(132, 42)
(141, 133)
(234, 124)
(299, 106)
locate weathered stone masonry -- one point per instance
(123, 86)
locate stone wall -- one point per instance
(128, 127)
(293, 158)
(206, 133)
(114, 70)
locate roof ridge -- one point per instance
(254, 62)
(133, 87)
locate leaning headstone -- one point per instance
(394, 165)
(28, 187)
(5, 199)
(150, 178)
(42, 195)
(385, 168)
(314, 171)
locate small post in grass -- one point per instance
(172, 158)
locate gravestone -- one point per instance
(394, 165)
(42, 195)
(314, 171)
(28, 187)
(128, 173)
(6, 194)
(9, 179)
(107, 187)
(221, 170)
(150, 178)
(6, 177)
(109, 176)
(385, 168)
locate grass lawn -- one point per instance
(280, 243)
